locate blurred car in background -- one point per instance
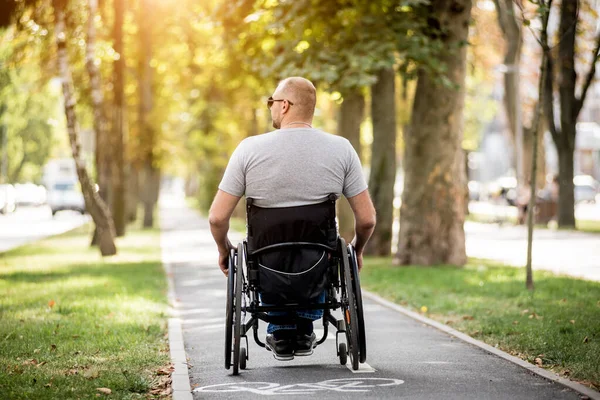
(8, 198)
(65, 196)
(30, 194)
(586, 189)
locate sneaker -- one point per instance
(305, 344)
(283, 349)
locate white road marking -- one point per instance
(362, 368)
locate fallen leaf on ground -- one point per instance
(538, 362)
(52, 347)
(33, 361)
(165, 371)
(515, 322)
(36, 351)
(104, 390)
(51, 303)
(91, 374)
(75, 336)
(565, 372)
(585, 339)
(563, 300)
(40, 364)
(47, 385)
(468, 317)
(525, 311)
(572, 321)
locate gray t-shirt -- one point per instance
(293, 167)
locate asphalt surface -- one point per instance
(406, 359)
(28, 224)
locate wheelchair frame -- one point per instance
(343, 291)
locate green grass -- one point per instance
(73, 322)
(588, 226)
(559, 322)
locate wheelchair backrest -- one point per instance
(290, 249)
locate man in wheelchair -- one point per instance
(293, 167)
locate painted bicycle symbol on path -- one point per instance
(346, 385)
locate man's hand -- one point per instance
(364, 214)
(218, 217)
(359, 255)
(359, 261)
(224, 258)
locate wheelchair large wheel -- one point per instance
(237, 323)
(229, 309)
(349, 309)
(362, 338)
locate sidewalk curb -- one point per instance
(180, 376)
(584, 390)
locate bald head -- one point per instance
(301, 92)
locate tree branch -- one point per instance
(589, 77)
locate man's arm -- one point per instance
(364, 215)
(218, 217)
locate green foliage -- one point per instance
(338, 44)
(30, 105)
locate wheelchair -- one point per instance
(290, 257)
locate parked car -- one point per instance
(8, 199)
(65, 196)
(586, 189)
(30, 194)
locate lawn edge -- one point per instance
(578, 387)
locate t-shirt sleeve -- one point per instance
(354, 180)
(234, 178)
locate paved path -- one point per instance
(407, 359)
(565, 252)
(29, 224)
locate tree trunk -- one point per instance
(432, 213)
(568, 115)
(150, 189)
(132, 193)
(351, 116)
(100, 122)
(151, 180)
(511, 30)
(566, 197)
(118, 176)
(383, 161)
(94, 204)
(528, 156)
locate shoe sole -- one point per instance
(303, 353)
(277, 356)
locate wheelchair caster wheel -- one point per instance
(243, 357)
(343, 353)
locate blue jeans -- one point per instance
(311, 315)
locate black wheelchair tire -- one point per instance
(362, 337)
(349, 312)
(229, 309)
(237, 326)
(243, 357)
(343, 353)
